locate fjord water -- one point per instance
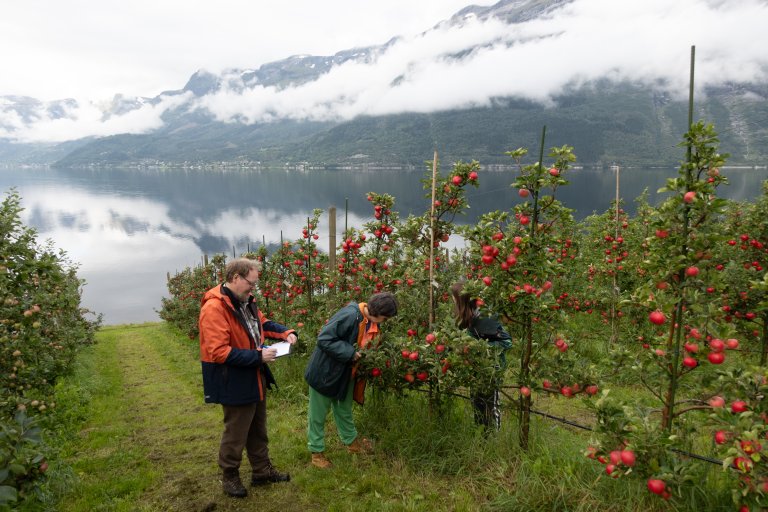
(127, 228)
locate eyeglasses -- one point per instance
(252, 283)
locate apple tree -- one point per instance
(42, 328)
(743, 258)
(678, 364)
(518, 271)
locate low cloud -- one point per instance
(73, 121)
(643, 42)
(471, 64)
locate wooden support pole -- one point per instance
(432, 245)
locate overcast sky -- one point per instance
(53, 49)
(91, 51)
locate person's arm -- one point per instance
(276, 331)
(215, 330)
(491, 330)
(503, 338)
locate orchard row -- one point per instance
(673, 300)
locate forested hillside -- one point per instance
(609, 123)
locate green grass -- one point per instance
(109, 470)
(135, 435)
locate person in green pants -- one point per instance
(330, 370)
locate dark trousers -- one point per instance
(245, 428)
(487, 409)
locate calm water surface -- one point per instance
(127, 228)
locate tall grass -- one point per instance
(135, 435)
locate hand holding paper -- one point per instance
(283, 348)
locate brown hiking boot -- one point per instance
(320, 461)
(270, 476)
(360, 445)
(232, 485)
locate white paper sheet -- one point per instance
(283, 348)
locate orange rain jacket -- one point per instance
(233, 373)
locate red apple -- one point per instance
(738, 406)
(690, 362)
(743, 464)
(628, 457)
(430, 338)
(525, 391)
(554, 172)
(656, 486)
(523, 192)
(689, 196)
(716, 357)
(656, 317)
(716, 402)
(750, 447)
(717, 345)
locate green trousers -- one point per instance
(318, 412)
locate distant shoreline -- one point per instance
(305, 167)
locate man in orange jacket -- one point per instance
(235, 372)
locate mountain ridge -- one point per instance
(607, 121)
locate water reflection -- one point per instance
(128, 228)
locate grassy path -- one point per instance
(137, 437)
(149, 443)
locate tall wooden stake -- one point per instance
(432, 245)
(614, 304)
(675, 335)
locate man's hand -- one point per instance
(357, 356)
(291, 338)
(268, 355)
